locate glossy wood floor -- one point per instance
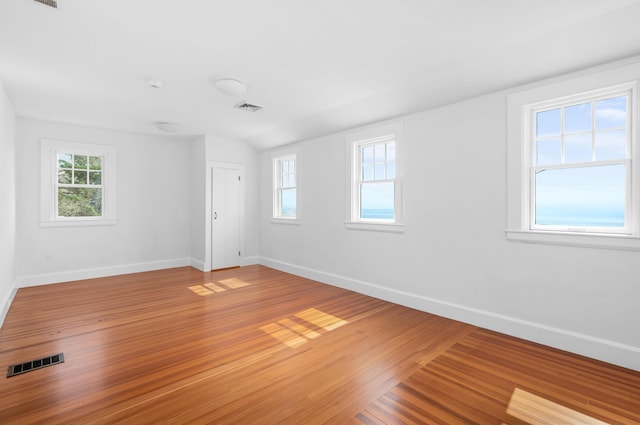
(257, 346)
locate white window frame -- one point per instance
(355, 141)
(48, 185)
(277, 160)
(521, 105)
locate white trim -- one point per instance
(376, 133)
(48, 150)
(598, 348)
(276, 157)
(281, 220)
(583, 240)
(623, 73)
(72, 275)
(208, 211)
(197, 264)
(7, 301)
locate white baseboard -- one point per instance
(197, 264)
(71, 275)
(249, 261)
(597, 348)
(5, 303)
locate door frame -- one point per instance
(209, 209)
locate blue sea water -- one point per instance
(379, 213)
(600, 217)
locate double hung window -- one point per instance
(580, 164)
(285, 187)
(77, 183)
(375, 192)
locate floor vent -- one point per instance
(17, 369)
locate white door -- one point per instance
(225, 220)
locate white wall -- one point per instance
(205, 150)
(153, 208)
(453, 259)
(7, 203)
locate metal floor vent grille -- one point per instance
(50, 3)
(17, 369)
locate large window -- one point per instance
(375, 188)
(78, 183)
(376, 179)
(580, 163)
(574, 160)
(285, 205)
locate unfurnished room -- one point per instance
(294, 212)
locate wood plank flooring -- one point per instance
(257, 346)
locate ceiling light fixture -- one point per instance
(154, 84)
(167, 127)
(231, 86)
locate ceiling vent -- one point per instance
(245, 106)
(50, 3)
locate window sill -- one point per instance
(78, 223)
(290, 221)
(584, 240)
(374, 227)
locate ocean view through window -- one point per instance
(580, 166)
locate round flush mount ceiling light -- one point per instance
(231, 86)
(167, 127)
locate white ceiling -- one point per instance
(317, 67)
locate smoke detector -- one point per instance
(246, 106)
(231, 86)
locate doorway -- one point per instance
(226, 216)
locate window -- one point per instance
(375, 184)
(285, 190)
(78, 183)
(79, 189)
(376, 179)
(580, 164)
(573, 161)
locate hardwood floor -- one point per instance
(257, 346)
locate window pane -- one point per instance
(95, 177)
(379, 171)
(548, 151)
(367, 155)
(391, 151)
(284, 167)
(391, 170)
(80, 177)
(95, 163)
(292, 181)
(577, 118)
(584, 197)
(377, 201)
(79, 202)
(611, 145)
(379, 152)
(548, 123)
(64, 176)
(80, 161)
(288, 203)
(292, 166)
(367, 172)
(611, 113)
(577, 148)
(65, 160)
